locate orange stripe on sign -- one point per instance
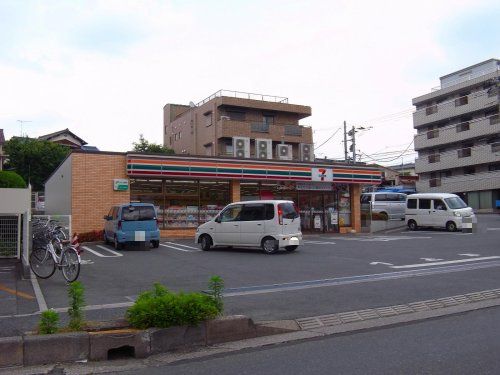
(15, 292)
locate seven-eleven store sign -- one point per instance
(322, 174)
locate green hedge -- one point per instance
(10, 179)
(162, 308)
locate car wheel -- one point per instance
(269, 245)
(384, 216)
(106, 241)
(117, 245)
(291, 248)
(205, 242)
(451, 226)
(155, 244)
(412, 225)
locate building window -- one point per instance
(462, 100)
(268, 119)
(434, 182)
(431, 109)
(495, 147)
(432, 134)
(236, 115)
(469, 170)
(463, 126)
(434, 158)
(464, 152)
(446, 174)
(494, 167)
(208, 118)
(494, 119)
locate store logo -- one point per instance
(322, 174)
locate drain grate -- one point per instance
(382, 312)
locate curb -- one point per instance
(101, 345)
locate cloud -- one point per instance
(105, 69)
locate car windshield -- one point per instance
(138, 213)
(455, 203)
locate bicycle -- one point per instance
(44, 260)
(51, 250)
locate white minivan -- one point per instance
(439, 210)
(269, 224)
(388, 204)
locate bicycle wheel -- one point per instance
(41, 262)
(70, 264)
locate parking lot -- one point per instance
(328, 274)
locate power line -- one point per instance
(335, 132)
(396, 158)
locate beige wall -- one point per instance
(92, 188)
(58, 190)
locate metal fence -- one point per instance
(10, 236)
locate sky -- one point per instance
(105, 69)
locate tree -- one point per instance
(144, 146)
(34, 159)
(10, 179)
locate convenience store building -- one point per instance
(190, 190)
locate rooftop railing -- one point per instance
(466, 78)
(244, 95)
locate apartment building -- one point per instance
(239, 124)
(458, 135)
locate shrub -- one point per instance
(10, 179)
(75, 311)
(48, 322)
(162, 308)
(376, 216)
(93, 236)
(216, 287)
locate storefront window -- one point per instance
(149, 191)
(344, 206)
(181, 203)
(214, 196)
(249, 191)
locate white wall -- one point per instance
(58, 190)
(15, 201)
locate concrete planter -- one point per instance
(11, 351)
(112, 339)
(103, 343)
(174, 338)
(61, 347)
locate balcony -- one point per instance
(452, 108)
(457, 158)
(468, 182)
(458, 133)
(287, 133)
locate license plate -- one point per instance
(294, 241)
(140, 235)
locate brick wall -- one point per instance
(92, 188)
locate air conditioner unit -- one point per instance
(263, 148)
(306, 152)
(284, 152)
(241, 147)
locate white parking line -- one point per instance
(492, 228)
(178, 244)
(178, 248)
(99, 254)
(445, 262)
(320, 242)
(111, 251)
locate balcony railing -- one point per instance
(260, 127)
(464, 182)
(475, 128)
(464, 157)
(244, 95)
(293, 130)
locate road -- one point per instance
(329, 274)
(456, 344)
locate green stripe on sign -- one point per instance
(279, 173)
(302, 174)
(146, 166)
(228, 170)
(175, 168)
(203, 169)
(254, 171)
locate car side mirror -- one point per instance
(217, 219)
(106, 217)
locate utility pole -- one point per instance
(22, 122)
(353, 145)
(345, 142)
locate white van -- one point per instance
(391, 205)
(436, 210)
(269, 224)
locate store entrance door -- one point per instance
(318, 212)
